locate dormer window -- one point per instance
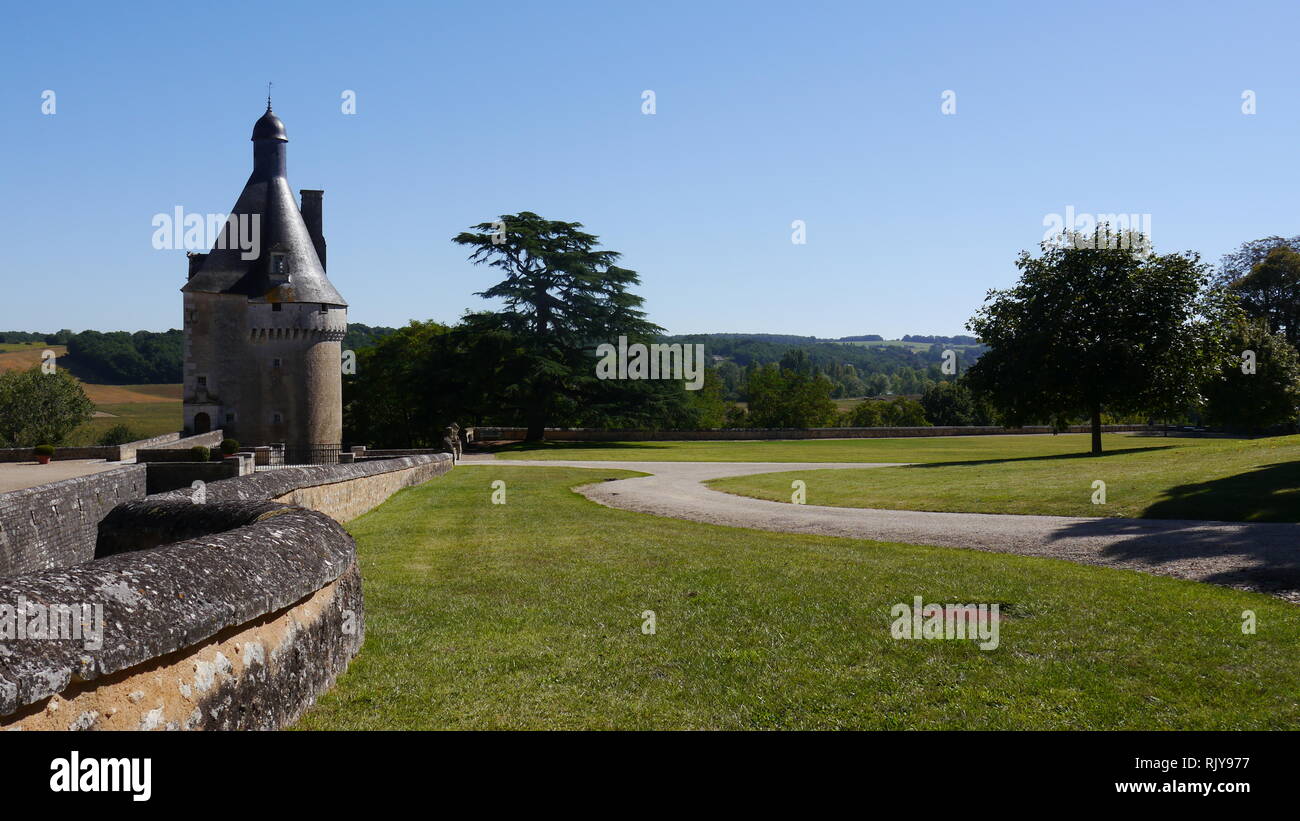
(279, 264)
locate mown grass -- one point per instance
(146, 419)
(528, 615)
(1217, 479)
(918, 449)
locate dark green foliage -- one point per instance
(60, 338)
(1271, 292)
(952, 403)
(1255, 401)
(37, 407)
(1090, 328)
(364, 336)
(562, 297)
(43, 450)
(229, 446)
(118, 435)
(789, 395)
(854, 370)
(200, 453)
(899, 412)
(121, 358)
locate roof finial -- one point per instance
(268, 96)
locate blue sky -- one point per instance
(766, 113)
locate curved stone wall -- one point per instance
(236, 613)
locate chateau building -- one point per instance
(263, 335)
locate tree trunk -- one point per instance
(1096, 430)
(536, 430)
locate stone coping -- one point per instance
(171, 597)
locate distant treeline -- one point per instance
(149, 357)
(364, 336)
(60, 338)
(122, 358)
(853, 370)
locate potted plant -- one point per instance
(43, 453)
(229, 447)
(199, 453)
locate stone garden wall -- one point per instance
(116, 453)
(236, 613)
(55, 525)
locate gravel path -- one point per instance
(1262, 557)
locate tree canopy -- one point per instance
(1090, 328)
(38, 408)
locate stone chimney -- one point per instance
(196, 261)
(311, 214)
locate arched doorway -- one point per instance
(202, 422)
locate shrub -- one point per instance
(43, 450)
(230, 446)
(199, 453)
(118, 435)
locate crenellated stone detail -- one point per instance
(259, 335)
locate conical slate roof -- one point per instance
(281, 229)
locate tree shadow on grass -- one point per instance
(1270, 493)
(1046, 458)
(1198, 532)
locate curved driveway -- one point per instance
(1252, 556)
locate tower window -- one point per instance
(230, 417)
(275, 363)
(275, 306)
(280, 264)
(202, 381)
(277, 418)
(324, 307)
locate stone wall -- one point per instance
(55, 525)
(234, 631)
(341, 492)
(232, 614)
(488, 434)
(116, 453)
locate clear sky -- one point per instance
(766, 113)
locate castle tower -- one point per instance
(263, 325)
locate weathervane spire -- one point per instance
(268, 96)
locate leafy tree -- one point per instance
(39, 408)
(1269, 396)
(952, 403)
(1271, 291)
(562, 297)
(868, 413)
(737, 417)
(901, 412)
(399, 396)
(1242, 261)
(118, 435)
(1090, 328)
(788, 398)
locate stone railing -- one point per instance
(236, 613)
(116, 453)
(54, 525)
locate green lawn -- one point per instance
(917, 449)
(529, 614)
(1221, 479)
(147, 419)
